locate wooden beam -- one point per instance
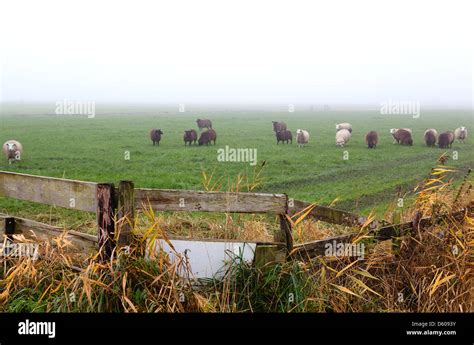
(106, 211)
(183, 200)
(329, 215)
(31, 229)
(311, 249)
(71, 194)
(125, 213)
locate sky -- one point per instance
(204, 51)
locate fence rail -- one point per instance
(199, 201)
(72, 194)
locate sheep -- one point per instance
(460, 134)
(431, 135)
(205, 123)
(344, 125)
(404, 137)
(342, 137)
(278, 126)
(207, 136)
(394, 132)
(155, 136)
(190, 136)
(445, 140)
(372, 139)
(302, 137)
(284, 136)
(12, 150)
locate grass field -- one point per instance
(75, 147)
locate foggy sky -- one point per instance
(331, 52)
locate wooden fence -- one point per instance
(110, 203)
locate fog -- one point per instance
(249, 52)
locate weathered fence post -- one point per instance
(9, 227)
(285, 235)
(106, 208)
(126, 213)
(9, 231)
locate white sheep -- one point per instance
(460, 134)
(12, 150)
(302, 137)
(342, 137)
(344, 125)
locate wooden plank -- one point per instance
(398, 230)
(31, 229)
(311, 249)
(185, 200)
(71, 194)
(106, 211)
(125, 213)
(330, 215)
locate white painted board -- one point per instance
(206, 259)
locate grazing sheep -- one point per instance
(279, 126)
(207, 136)
(396, 136)
(155, 136)
(445, 140)
(344, 125)
(372, 139)
(205, 123)
(460, 134)
(284, 136)
(342, 137)
(404, 137)
(302, 137)
(190, 137)
(12, 150)
(431, 135)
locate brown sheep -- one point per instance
(190, 137)
(430, 137)
(372, 139)
(155, 136)
(284, 136)
(394, 131)
(204, 123)
(445, 140)
(404, 137)
(207, 136)
(278, 126)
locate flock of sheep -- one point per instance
(402, 136)
(13, 149)
(190, 136)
